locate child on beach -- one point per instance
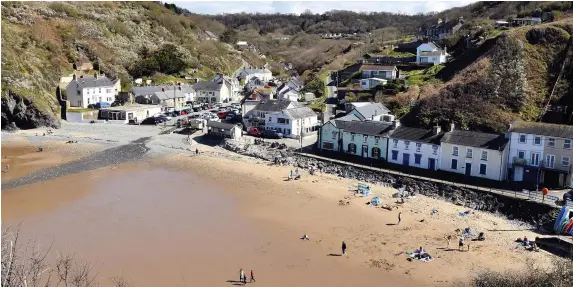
(252, 276)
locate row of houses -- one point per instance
(531, 153)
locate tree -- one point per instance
(230, 36)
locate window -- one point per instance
(455, 151)
(454, 164)
(351, 148)
(365, 138)
(551, 142)
(376, 140)
(482, 169)
(375, 152)
(108, 91)
(417, 158)
(287, 121)
(89, 100)
(407, 144)
(522, 138)
(395, 143)
(270, 120)
(565, 161)
(537, 140)
(334, 135)
(567, 144)
(99, 91)
(281, 121)
(535, 158)
(550, 160)
(394, 155)
(418, 147)
(79, 93)
(80, 103)
(435, 148)
(352, 137)
(484, 155)
(520, 154)
(469, 153)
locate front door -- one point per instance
(432, 164)
(364, 151)
(406, 159)
(468, 168)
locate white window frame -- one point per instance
(566, 143)
(524, 154)
(535, 138)
(548, 162)
(455, 151)
(484, 155)
(435, 149)
(351, 137)
(376, 140)
(334, 135)
(524, 138)
(395, 143)
(418, 147)
(365, 138)
(551, 142)
(469, 153)
(565, 162)
(406, 145)
(533, 163)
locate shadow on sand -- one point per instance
(334, 254)
(236, 282)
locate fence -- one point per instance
(527, 195)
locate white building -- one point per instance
(380, 72)
(415, 147)
(257, 116)
(212, 92)
(431, 53)
(475, 154)
(368, 111)
(540, 154)
(293, 122)
(147, 91)
(370, 83)
(264, 75)
(85, 91)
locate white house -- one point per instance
(212, 92)
(264, 75)
(431, 53)
(415, 147)
(540, 154)
(85, 91)
(257, 116)
(232, 84)
(147, 91)
(254, 83)
(381, 72)
(475, 154)
(370, 83)
(368, 111)
(293, 122)
(290, 90)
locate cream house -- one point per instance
(475, 154)
(415, 147)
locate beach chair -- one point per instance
(363, 189)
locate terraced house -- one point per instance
(540, 154)
(415, 147)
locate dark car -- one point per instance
(272, 134)
(162, 119)
(150, 121)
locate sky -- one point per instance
(317, 7)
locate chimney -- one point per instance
(436, 130)
(395, 124)
(452, 126)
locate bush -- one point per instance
(166, 60)
(61, 7)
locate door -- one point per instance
(406, 159)
(468, 168)
(364, 151)
(432, 163)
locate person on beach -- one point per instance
(449, 238)
(343, 248)
(241, 274)
(399, 217)
(6, 168)
(305, 237)
(196, 151)
(291, 174)
(461, 244)
(468, 246)
(252, 277)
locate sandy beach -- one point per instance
(175, 219)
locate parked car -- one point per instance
(150, 121)
(255, 132)
(236, 106)
(272, 134)
(161, 119)
(222, 115)
(230, 117)
(102, 105)
(168, 116)
(222, 109)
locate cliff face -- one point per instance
(21, 112)
(515, 76)
(42, 40)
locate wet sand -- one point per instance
(194, 221)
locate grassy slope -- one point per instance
(468, 99)
(40, 41)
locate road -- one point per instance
(329, 82)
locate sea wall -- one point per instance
(535, 213)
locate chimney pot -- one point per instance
(452, 127)
(436, 130)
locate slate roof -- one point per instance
(272, 105)
(373, 128)
(207, 86)
(377, 68)
(300, 113)
(92, 82)
(475, 139)
(149, 90)
(346, 118)
(169, 95)
(544, 129)
(371, 109)
(221, 125)
(416, 135)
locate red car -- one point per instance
(222, 115)
(255, 132)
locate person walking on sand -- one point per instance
(343, 248)
(449, 238)
(196, 151)
(399, 217)
(241, 274)
(252, 277)
(461, 244)
(6, 168)
(291, 174)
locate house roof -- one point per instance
(374, 128)
(207, 86)
(169, 95)
(220, 125)
(299, 113)
(272, 105)
(377, 68)
(475, 139)
(92, 82)
(368, 110)
(432, 44)
(256, 81)
(149, 90)
(544, 129)
(416, 134)
(346, 118)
